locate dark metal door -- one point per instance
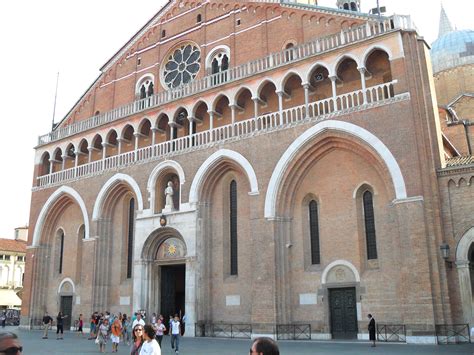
(172, 290)
(343, 312)
(66, 309)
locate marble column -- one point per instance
(465, 289)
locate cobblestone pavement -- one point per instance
(72, 344)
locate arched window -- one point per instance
(314, 232)
(233, 228)
(217, 62)
(145, 87)
(199, 18)
(61, 252)
(131, 215)
(369, 222)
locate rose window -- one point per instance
(182, 66)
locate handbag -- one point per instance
(97, 341)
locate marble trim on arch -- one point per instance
(67, 279)
(105, 189)
(462, 249)
(156, 173)
(336, 263)
(51, 200)
(303, 139)
(211, 161)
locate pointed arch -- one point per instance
(464, 244)
(63, 190)
(67, 280)
(117, 178)
(373, 48)
(165, 165)
(349, 128)
(212, 161)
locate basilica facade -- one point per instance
(260, 163)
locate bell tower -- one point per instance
(351, 5)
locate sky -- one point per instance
(75, 38)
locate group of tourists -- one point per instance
(144, 338)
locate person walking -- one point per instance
(116, 333)
(139, 320)
(160, 329)
(150, 345)
(60, 325)
(47, 322)
(125, 329)
(80, 325)
(137, 336)
(103, 335)
(371, 329)
(175, 333)
(264, 346)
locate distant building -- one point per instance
(12, 268)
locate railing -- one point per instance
(223, 330)
(391, 333)
(452, 333)
(272, 61)
(293, 331)
(241, 129)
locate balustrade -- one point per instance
(240, 129)
(272, 61)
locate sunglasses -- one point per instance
(12, 350)
(138, 330)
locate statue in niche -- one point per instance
(169, 192)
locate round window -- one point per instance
(182, 65)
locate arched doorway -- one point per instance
(465, 268)
(164, 259)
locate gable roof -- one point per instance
(163, 11)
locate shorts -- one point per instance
(115, 339)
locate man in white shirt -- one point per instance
(175, 329)
(139, 320)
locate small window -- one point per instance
(139, 61)
(314, 233)
(163, 33)
(233, 228)
(7, 257)
(369, 219)
(238, 22)
(199, 18)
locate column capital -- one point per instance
(462, 264)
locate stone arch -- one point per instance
(335, 263)
(160, 168)
(315, 66)
(463, 265)
(284, 79)
(214, 159)
(117, 178)
(341, 58)
(156, 238)
(65, 281)
(464, 244)
(63, 190)
(349, 128)
(374, 47)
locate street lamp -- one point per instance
(445, 254)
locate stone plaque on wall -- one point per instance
(232, 300)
